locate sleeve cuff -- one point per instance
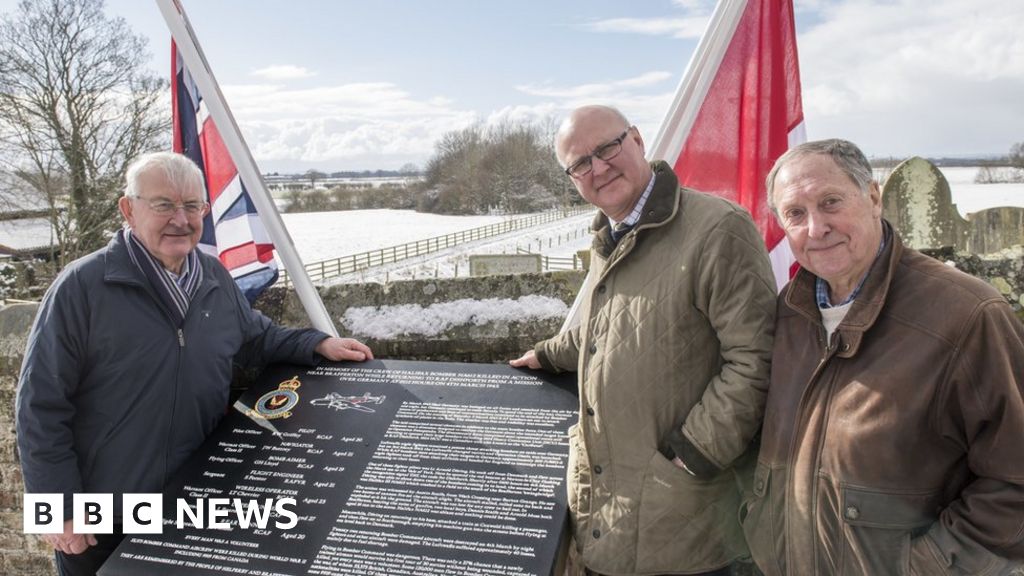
(542, 357)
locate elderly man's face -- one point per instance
(168, 237)
(833, 228)
(614, 185)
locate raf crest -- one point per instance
(278, 403)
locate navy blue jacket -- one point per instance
(113, 396)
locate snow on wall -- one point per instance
(385, 322)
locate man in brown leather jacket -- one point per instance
(893, 440)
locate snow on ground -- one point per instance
(561, 238)
(970, 197)
(325, 235)
(385, 322)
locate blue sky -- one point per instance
(340, 84)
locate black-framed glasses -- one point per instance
(606, 152)
(165, 207)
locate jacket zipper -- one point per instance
(790, 484)
(180, 333)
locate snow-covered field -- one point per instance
(325, 235)
(970, 197)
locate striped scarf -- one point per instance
(175, 296)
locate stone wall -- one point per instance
(19, 553)
(494, 341)
(1004, 270)
(490, 342)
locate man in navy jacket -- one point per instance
(129, 361)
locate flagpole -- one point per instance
(188, 45)
(693, 87)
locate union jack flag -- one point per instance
(232, 230)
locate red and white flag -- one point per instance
(737, 110)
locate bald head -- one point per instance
(585, 116)
(607, 154)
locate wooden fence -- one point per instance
(326, 269)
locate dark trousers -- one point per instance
(88, 562)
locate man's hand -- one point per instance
(69, 542)
(344, 349)
(527, 360)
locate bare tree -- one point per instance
(1016, 156)
(76, 106)
(509, 166)
(314, 176)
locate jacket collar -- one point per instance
(661, 206)
(866, 308)
(118, 266)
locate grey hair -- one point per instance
(567, 124)
(181, 172)
(844, 153)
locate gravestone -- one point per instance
(397, 468)
(491, 264)
(995, 229)
(916, 199)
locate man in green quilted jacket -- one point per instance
(672, 354)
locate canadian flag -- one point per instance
(737, 110)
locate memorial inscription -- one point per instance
(396, 468)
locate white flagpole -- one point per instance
(693, 87)
(192, 54)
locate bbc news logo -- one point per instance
(143, 513)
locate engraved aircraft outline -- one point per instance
(339, 402)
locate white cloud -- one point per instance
(695, 5)
(646, 79)
(897, 77)
(282, 72)
(381, 125)
(358, 125)
(689, 27)
(915, 76)
(371, 100)
(597, 90)
(643, 99)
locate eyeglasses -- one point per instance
(166, 207)
(606, 152)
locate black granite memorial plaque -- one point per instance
(397, 468)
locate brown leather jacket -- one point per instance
(898, 448)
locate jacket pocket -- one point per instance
(761, 515)
(877, 529)
(684, 523)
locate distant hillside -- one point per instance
(949, 161)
